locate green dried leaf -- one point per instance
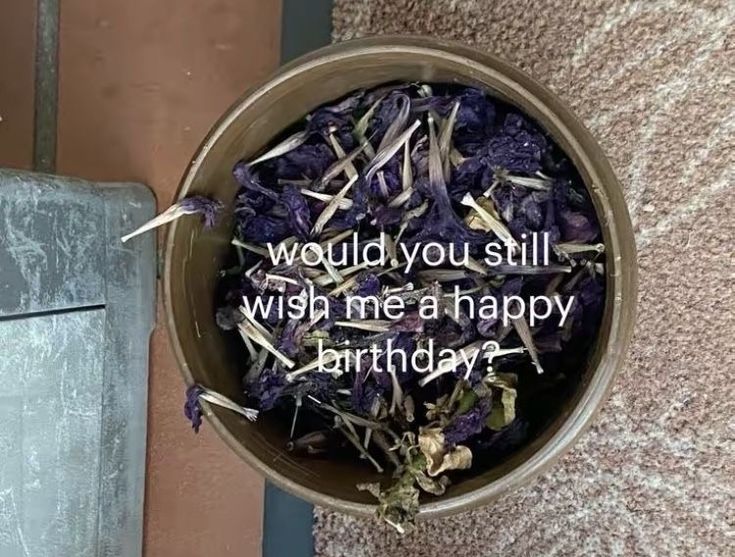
(398, 504)
(409, 408)
(435, 486)
(360, 129)
(466, 401)
(372, 325)
(373, 488)
(254, 331)
(503, 411)
(570, 250)
(250, 247)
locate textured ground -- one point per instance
(654, 82)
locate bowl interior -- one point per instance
(194, 258)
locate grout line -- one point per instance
(46, 86)
(287, 525)
(52, 311)
(305, 26)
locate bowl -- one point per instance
(194, 256)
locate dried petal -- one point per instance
(432, 445)
(192, 407)
(195, 205)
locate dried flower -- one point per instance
(193, 408)
(195, 205)
(439, 458)
(467, 425)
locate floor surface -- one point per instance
(653, 81)
(140, 83)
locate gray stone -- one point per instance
(50, 243)
(76, 312)
(52, 373)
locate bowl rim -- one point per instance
(585, 148)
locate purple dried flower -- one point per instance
(385, 216)
(576, 227)
(385, 113)
(468, 424)
(335, 118)
(487, 327)
(310, 161)
(390, 118)
(387, 182)
(228, 317)
(319, 385)
(519, 149)
(326, 120)
(208, 208)
(344, 220)
(511, 287)
(298, 211)
(197, 204)
(505, 197)
(363, 393)
(518, 227)
(591, 292)
(192, 407)
(574, 320)
(514, 124)
(531, 211)
(478, 154)
(368, 284)
(473, 175)
(406, 343)
(411, 322)
(441, 222)
(550, 227)
(475, 117)
(262, 228)
(250, 182)
(476, 114)
(512, 154)
(291, 337)
(268, 388)
(447, 333)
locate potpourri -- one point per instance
(411, 165)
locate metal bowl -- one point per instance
(193, 258)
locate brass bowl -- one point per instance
(193, 258)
